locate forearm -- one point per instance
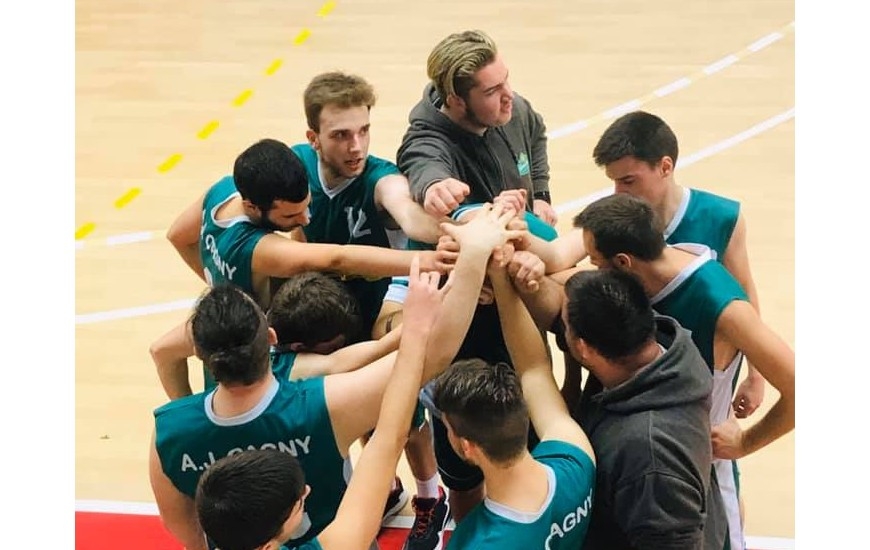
(778, 421)
(420, 226)
(190, 255)
(461, 303)
(174, 378)
(363, 353)
(545, 304)
(524, 342)
(424, 162)
(400, 399)
(371, 261)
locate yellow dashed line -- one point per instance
(242, 98)
(302, 37)
(169, 163)
(326, 8)
(273, 68)
(208, 129)
(125, 199)
(85, 230)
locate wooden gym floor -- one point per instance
(169, 92)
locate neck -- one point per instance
(655, 275)
(232, 209)
(331, 179)
(522, 485)
(668, 208)
(461, 120)
(229, 401)
(617, 373)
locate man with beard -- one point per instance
(228, 236)
(473, 140)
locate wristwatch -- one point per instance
(542, 196)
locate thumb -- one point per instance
(448, 229)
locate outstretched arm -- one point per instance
(566, 251)
(477, 240)
(359, 516)
(393, 195)
(276, 256)
(346, 359)
(547, 409)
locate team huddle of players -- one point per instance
(406, 305)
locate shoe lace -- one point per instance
(424, 518)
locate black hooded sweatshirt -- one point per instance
(513, 156)
(651, 434)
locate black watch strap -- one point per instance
(543, 196)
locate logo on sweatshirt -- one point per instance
(523, 164)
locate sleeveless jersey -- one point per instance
(348, 215)
(696, 299)
(561, 522)
(704, 218)
(226, 247)
(292, 417)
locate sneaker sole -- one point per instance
(404, 497)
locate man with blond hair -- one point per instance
(471, 136)
(471, 139)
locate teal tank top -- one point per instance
(292, 417)
(696, 299)
(560, 524)
(348, 215)
(226, 247)
(706, 219)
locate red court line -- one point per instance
(101, 531)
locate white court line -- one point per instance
(578, 204)
(128, 313)
(569, 206)
(397, 522)
(562, 131)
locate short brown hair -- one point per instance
(453, 62)
(484, 404)
(335, 88)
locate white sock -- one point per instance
(428, 488)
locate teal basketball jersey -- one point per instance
(226, 247)
(292, 418)
(697, 296)
(348, 215)
(561, 522)
(704, 218)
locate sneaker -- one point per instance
(432, 515)
(396, 501)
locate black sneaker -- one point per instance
(396, 501)
(432, 515)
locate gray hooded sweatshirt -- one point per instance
(513, 156)
(651, 434)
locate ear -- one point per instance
(454, 102)
(311, 136)
(667, 166)
(273, 336)
(622, 261)
(250, 208)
